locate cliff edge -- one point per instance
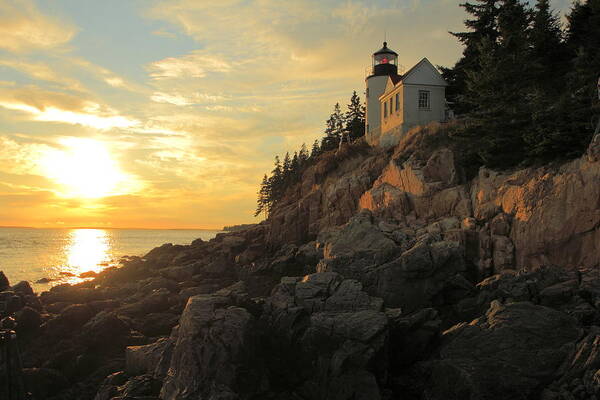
(380, 275)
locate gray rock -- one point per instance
(559, 293)
(325, 334)
(412, 280)
(506, 354)
(503, 253)
(412, 335)
(71, 318)
(215, 352)
(23, 288)
(28, 321)
(179, 274)
(354, 247)
(4, 283)
(105, 331)
(350, 296)
(586, 358)
(141, 360)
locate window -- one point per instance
(391, 108)
(367, 128)
(424, 99)
(367, 92)
(385, 110)
(397, 101)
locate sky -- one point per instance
(166, 114)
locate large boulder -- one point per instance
(327, 338)
(356, 246)
(416, 278)
(69, 320)
(4, 283)
(141, 360)
(23, 288)
(28, 321)
(215, 355)
(106, 331)
(505, 355)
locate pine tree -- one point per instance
(549, 62)
(333, 129)
(482, 25)
(498, 89)
(303, 155)
(295, 167)
(548, 51)
(263, 198)
(315, 150)
(354, 118)
(579, 105)
(287, 167)
(276, 182)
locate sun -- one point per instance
(84, 168)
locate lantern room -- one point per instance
(385, 61)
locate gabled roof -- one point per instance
(396, 80)
(426, 62)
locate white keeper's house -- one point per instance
(399, 102)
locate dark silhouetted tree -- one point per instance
(354, 118)
(333, 129)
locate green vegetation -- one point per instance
(524, 86)
(524, 90)
(340, 127)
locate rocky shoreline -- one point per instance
(380, 276)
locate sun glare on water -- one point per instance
(84, 168)
(88, 250)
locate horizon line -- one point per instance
(109, 227)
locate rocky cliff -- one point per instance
(381, 275)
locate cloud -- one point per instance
(49, 106)
(164, 33)
(193, 65)
(24, 28)
(20, 158)
(42, 72)
(101, 73)
(179, 99)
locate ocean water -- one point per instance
(61, 255)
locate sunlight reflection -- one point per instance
(88, 250)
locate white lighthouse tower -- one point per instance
(385, 65)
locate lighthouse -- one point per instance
(384, 67)
(398, 103)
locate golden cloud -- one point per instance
(194, 65)
(180, 99)
(48, 106)
(24, 28)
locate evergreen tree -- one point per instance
(295, 167)
(333, 129)
(287, 167)
(263, 200)
(303, 155)
(276, 182)
(482, 25)
(315, 150)
(579, 105)
(498, 89)
(584, 26)
(354, 118)
(549, 62)
(549, 55)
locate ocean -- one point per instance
(61, 255)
